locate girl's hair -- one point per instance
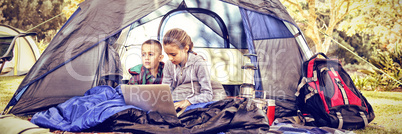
(179, 37)
(154, 42)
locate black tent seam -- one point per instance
(286, 37)
(217, 18)
(223, 32)
(67, 22)
(7, 37)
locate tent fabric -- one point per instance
(278, 59)
(10, 124)
(68, 81)
(60, 56)
(83, 112)
(82, 54)
(281, 72)
(266, 27)
(112, 74)
(225, 116)
(87, 29)
(273, 8)
(232, 21)
(80, 36)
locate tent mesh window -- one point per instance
(5, 42)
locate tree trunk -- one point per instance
(312, 29)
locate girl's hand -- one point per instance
(182, 104)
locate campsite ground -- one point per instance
(387, 106)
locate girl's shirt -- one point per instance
(194, 71)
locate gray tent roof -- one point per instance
(269, 7)
(100, 19)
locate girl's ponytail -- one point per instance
(179, 37)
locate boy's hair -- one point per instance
(153, 42)
(179, 37)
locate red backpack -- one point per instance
(327, 93)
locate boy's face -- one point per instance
(151, 56)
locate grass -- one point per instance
(387, 106)
(8, 85)
(388, 111)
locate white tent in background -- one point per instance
(16, 58)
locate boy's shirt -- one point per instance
(142, 76)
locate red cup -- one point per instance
(271, 111)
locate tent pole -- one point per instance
(2, 65)
(16, 49)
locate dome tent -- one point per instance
(19, 56)
(83, 54)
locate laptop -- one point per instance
(151, 97)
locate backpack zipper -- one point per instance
(343, 92)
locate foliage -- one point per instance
(361, 80)
(372, 81)
(359, 24)
(390, 63)
(357, 43)
(71, 7)
(26, 14)
(379, 19)
(317, 17)
(361, 83)
(42, 46)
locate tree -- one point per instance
(358, 43)
(71, 7)
(379, 19)
(26, 14)
(308, 13)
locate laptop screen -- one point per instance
(151, 97)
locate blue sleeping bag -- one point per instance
(82, 112)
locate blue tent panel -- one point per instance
(267, 27)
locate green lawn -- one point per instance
(8, 85)
(387, 106)
(388, 111)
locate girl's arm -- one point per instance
(202, 74)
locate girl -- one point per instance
(185, 69)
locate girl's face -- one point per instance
(175, 54)
(151, 56)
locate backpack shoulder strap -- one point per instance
(311, 76)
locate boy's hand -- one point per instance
(182, 104)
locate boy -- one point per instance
(150, 71)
